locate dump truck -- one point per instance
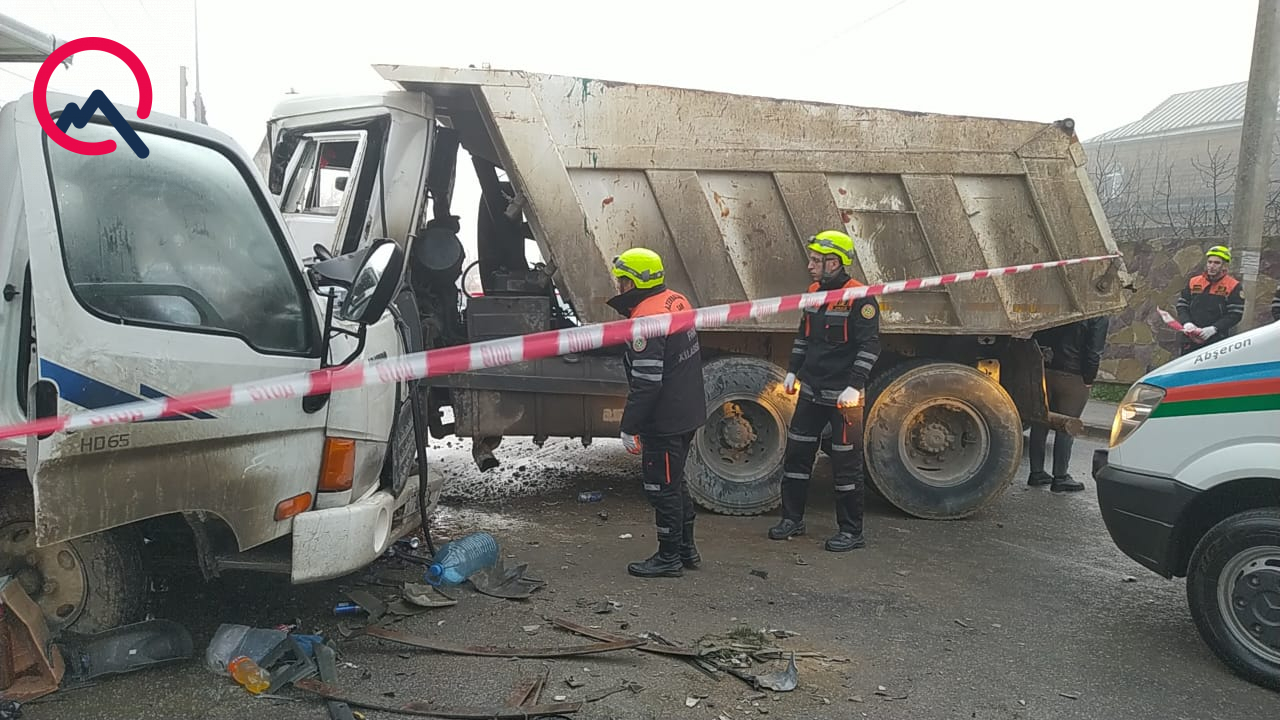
(726, 188)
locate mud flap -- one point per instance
(125, 649)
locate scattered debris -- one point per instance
(902, 573)
(605, 607)
(762, 574)
(691, 701)
(963, 624)
(492, 651)
(856, 698)
(626, 685)
(573, 682)
(801, 561)
(1129, 579)
(331, 692)
(531, 628)
(1072, 696)
(783, 680)
(498, 581)
(123, 649)
(624, 536)
(30, 665)
(782, 633)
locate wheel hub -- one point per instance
(1256, 603)
(944, 441)
(933, 438)
(52, 576)
(736, 432)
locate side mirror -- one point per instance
(374, 283)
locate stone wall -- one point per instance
(1139, 342)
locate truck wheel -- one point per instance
(1233, 590)
(735, 464)
(86, 585)
(942, 439)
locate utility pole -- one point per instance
(199, 100)
(182, 92)
(1254, 169)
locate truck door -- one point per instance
(317, 200)
(155, 277)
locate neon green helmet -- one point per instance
(640, 265)
(1220, 251)
(833, 242)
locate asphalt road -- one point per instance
(1023, 612)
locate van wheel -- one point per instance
(86, 585)
(1233, 590)
(942, 439)
(735, 463)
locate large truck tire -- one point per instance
(86, 585)
(1233, 586)
(735, 464)
(942, 439)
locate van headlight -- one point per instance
(1134, 410)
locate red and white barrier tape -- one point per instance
(492, 353)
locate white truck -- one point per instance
(128, 278)
(1190, 487)
(725, 187)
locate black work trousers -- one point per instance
(803, 438)
(1068, 395)
(662, 458)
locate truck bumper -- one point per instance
(1141, 514)
(336, 541)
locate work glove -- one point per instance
(631, 443)
(1189, 327)
(1207, 332)
(851, 397)
(790, 384)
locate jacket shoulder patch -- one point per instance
(869, 310)
(639, 344)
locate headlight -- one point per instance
(1134, 410)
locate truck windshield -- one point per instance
(176, 240)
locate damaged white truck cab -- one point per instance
(132, 277)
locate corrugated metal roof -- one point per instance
(1210, 106)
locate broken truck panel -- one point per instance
(725, 187)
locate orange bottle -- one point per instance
(247, 673)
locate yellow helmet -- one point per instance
(641, 265)
(1220, 251)
(833, 242)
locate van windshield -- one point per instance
(176, 240)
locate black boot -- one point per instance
(664, 563)
(1038, 478)
(1065, 483)
(785, 529)
(845, 541)
(688, 550)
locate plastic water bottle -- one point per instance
(460, 559)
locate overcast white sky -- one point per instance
(1103, 62)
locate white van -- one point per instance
(1190, 487)
(128, 277)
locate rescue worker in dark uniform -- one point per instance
(1211, 304)
(666, 405)
(1275, 306)
(831, 359)
(1072, 354)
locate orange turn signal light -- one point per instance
(293, 506)
(338, 470)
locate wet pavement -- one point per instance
(1027, 611)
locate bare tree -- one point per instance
(1218, 174)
